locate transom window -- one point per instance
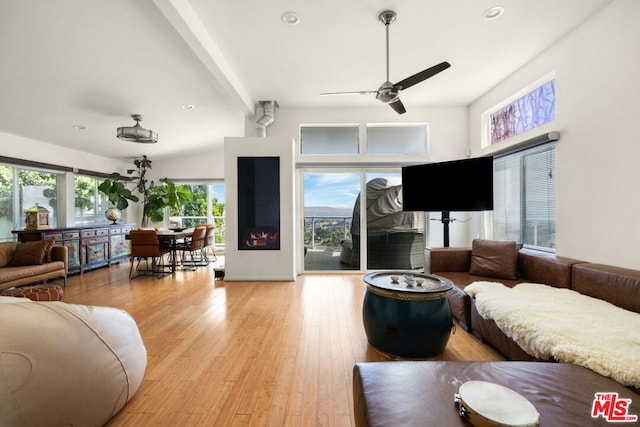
(526, 110)
(396, 139)
(329, 140)
(403, 139)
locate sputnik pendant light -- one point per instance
(137, 133)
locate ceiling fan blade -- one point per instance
(421, 76)
(397, 106)
(361, 92)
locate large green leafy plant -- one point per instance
(118, 194)
(161, 196)
(154, 197)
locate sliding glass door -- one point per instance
(329, 199)
(334, 236)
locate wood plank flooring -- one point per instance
(245, 353)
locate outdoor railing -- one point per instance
(192, 221)
(326, 230)
(318, 230)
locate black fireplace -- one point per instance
(258, 203)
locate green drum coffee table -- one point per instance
(407, 314)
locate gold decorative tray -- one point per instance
(408, 281)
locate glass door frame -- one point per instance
(300, 172)
(364, 172)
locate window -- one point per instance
(403, 139)
(532, 107)
(397, 139)
(525, 197)
(7, 222)
(329, 199)
(329, 140)
(206, 207)
(89, 203)
(22, 188)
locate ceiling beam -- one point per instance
(183, 18)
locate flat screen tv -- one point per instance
(456, 186)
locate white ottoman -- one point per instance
(65, 364)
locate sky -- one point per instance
(218, 191)
(338, 189)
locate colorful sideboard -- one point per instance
(88, 246)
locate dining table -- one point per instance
(173, 236)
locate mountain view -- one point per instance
(327, 211)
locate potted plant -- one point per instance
(161, 196)
(154, 197)
(118, 195)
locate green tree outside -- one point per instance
(85, 192)
(6, 191)
(197, 207)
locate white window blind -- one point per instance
(506, 198)
(525, 198)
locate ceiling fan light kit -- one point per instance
(137, 133)
(388, 92)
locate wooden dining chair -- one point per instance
(145, 245)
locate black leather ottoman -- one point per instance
(421, 393)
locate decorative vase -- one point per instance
(112, 214)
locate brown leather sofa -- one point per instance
(455, 265)
(421, 393)
(619, 286)
(29, 266)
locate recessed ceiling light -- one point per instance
(290, 18)
(79, 127)
(493, 12)
(188, 107)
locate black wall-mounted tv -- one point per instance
(456, 186)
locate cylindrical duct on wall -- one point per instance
(268, 117)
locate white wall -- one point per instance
(38, 151)
(448, 140)
(598, 105)
(260, 265)
(207, 165)
(598, 93)
(447, 125)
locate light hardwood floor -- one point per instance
(245, 353)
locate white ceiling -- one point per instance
(96, 62)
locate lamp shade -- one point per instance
(137, 133)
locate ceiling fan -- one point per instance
(389, 92)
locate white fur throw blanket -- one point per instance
(566, 325)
